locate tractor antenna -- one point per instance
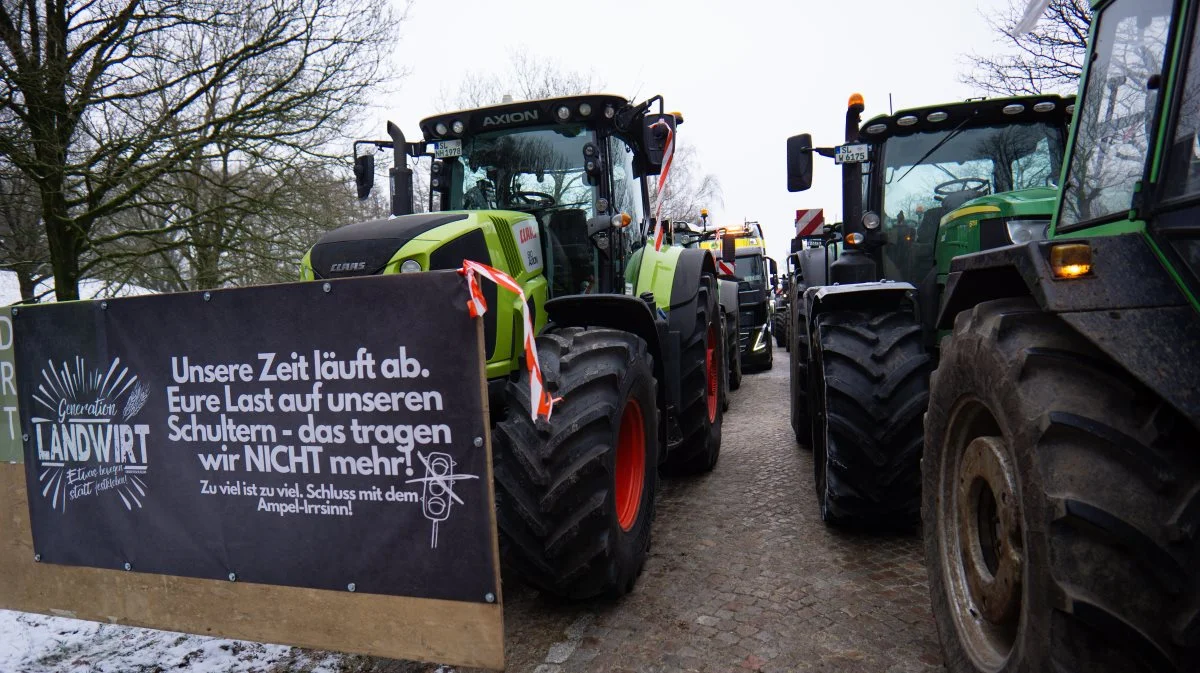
(890, 110)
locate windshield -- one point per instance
(750, 270)
(972, 162)
(1117, 111)
(529, 169)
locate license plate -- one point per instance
(850, 154)
(449, 148)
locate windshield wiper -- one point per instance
(943, 141)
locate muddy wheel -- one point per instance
(870, 385)
(701, 366)
(1061, 505)
(575, 495)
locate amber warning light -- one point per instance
(1071, 260)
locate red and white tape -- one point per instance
(541, 402)
(660, 192)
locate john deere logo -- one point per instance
(511, 118)
(347, 266)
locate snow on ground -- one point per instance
(39, 644)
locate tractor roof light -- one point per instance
(856, 99)
(564, 113)
(876, 128)
(1013, 109)
(907, 120)
(1044, 106)
(441, 129)
(1071, 109)
(585, 109)
(609, 111)
(1071, 260)
(938, 116)
(458, 127)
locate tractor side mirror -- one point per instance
(654, 140)
(364, 174)
(774, 271)
(799, 162)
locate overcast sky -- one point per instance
(746, 74)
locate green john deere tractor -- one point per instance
(554, 193)
(1061, 477)
(867, 294)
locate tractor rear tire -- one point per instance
(1091, 483)
(700, 364)
(575, 494)
(870, 385)
(734, 355)
(801, 421)
(726, 372)
(779, 336)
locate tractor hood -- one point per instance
(1034, 204)
(366, 247)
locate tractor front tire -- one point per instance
(700, 364)
(798, 382)
(575, 494)
(870, 385)
(1061, 505)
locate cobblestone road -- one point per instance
(742, 576)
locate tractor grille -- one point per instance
(512, 256)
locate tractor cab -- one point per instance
(564, 162)
(919, 165)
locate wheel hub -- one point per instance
(983, 541)
(630, 473)
(711, 369)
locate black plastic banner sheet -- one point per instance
(324, 435)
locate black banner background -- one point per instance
(141, 507)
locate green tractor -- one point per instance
(1061, 477)
(863, 326)
(686, 235)
(554, 193)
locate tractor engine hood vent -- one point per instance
(363, 249)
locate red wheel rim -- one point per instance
(631, 464)
(710, 365)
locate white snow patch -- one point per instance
(40, 644)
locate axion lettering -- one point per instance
(511, 118)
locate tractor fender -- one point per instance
(883, 294)
(625, 313)
(685, 285)
(811, 263)
(1129, 307)
(729, 296)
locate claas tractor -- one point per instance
(554, 193)
(864, 342)
(688, 235)
(1061, 479)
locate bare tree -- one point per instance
(527, 77)
(22, 239)
(1048, 59)
(688, 189)
(108, 98)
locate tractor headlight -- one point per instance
(410, 266)
(759, 342)
(1024, 231)
(870, 220)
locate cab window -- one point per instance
(1117, 112)
(1183, 156)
